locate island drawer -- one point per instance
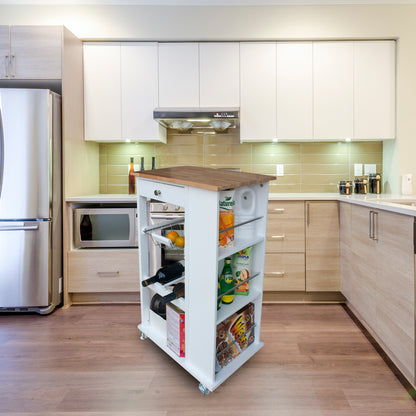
(284, 272)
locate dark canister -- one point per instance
(360, 186)
(374, 183)
(345, 187)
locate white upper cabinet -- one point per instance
(374, 89)
(294, 91)
(178, 75)
(139, 92)
(121, 91)
(258, 91)
(219, 74)
(102, 92)
(4, 51)
(333, 86)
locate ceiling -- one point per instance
(203, 2)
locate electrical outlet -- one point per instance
(371, 168)
(280, 170)
(358, 169)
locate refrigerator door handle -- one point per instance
(1, 150)
(19, 227)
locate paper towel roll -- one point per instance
(407, 184)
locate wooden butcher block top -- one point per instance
(207, 178)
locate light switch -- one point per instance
(280, 170)
(358, 169)
(371, 168)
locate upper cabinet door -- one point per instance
(333, 90)
(36, 52)
(294, 91)
(4, 52)
(178, 75)
(258, 91)
(374, 89)
(102, 92)
(139, 91)
(219, 75)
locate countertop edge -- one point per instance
(380, 201)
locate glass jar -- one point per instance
(374, 183)
(360, 186)
(345, 187)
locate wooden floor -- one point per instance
(89, 360)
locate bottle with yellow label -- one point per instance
(227, 282)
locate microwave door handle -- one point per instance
(165, 217)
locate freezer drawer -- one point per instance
(25, 273)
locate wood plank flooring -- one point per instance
(89, 360)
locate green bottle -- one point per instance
(227, 282)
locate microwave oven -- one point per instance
(105, 227)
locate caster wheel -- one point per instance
(204, 390)
(143, 336)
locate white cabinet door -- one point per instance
(333, 90)
(258, 91)
(102, 92)
(374, 89)
(178, 75)
(219, 75)
(36, 52)
(139, 91)
(294, 91)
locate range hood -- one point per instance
(198, 120)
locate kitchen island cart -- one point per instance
(198, 191)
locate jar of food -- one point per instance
(345, 187)
(360, 186)
(374, 183)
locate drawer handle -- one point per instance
(279, 210)
(278, 237)
(277, 274)
(109, 274)
(157, 192)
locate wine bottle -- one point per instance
(166, 274)
(142, 164)
(132, 179)
(227, 282)
(158, 302)
(153, 162)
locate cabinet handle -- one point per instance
(308, 214)
(375, 226)
(157, 192)
(278, 237)
(6, 66)
(108, 274)
(13, 65)
(279, 210)
(277, 274)
(370, 225)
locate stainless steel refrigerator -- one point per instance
(30, 200)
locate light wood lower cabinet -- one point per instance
(378, 280)
(322, 246)
(103, 270)
(284, 272)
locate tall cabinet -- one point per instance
(197, 190)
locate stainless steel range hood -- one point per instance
(198, 120)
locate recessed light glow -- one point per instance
(275, 140)
(128, 140)
(195, 120)
(348, 139)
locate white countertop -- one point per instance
(388, 202)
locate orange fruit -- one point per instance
(172, 235)
(180, 241)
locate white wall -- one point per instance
(257, 23)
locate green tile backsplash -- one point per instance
(308, 166)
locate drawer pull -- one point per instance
(109, 274)
(157, 192)
(279, 210)
(277, 274)
(278, 237)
